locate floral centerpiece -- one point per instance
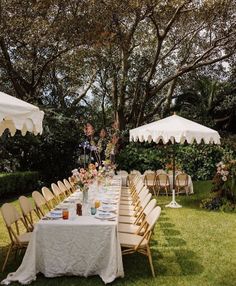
(84, 177)
(106, 171)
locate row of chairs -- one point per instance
(20, 226)
(138, 215)
(159, 181)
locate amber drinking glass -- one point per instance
(97, 204)
(65, 214)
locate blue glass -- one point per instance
(93, 211)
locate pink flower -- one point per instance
(224, 178)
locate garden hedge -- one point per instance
(18, 183)
(199, 161)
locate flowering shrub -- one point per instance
(224, 189)
(225, 178)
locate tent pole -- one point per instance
(173, 203)
(174, 166)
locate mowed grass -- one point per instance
(190, 246)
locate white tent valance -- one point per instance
(16, 114)
(175, 129)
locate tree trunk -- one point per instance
(120, 119)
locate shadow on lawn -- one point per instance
(173, 258)
(13, 262)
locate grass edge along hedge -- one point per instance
(18, 183)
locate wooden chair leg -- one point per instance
(154, 191)
(7, 256)
(150, 260)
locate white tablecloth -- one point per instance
(190, 184)
(81, 246)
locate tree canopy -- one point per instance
(132, 54)
(131, 61)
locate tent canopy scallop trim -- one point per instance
(175, 129)
(15, 114)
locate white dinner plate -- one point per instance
(55, 214)
(102, 215)
(111, 197)
(112, 193)
(63, 205)
(70, 200)
(109, 201)
(107, 208)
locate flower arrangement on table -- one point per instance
(84, 177)
(106, 171)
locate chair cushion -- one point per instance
(127, 212)
(125, 194)
(127, 219)
(131, 240)
(128, 228)
(127, 203)
(127, 207)
(125, 188)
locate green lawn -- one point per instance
(190, 246)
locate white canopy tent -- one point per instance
(16, 114)
(175, 129)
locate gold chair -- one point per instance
(12, 219)
(69, 186)
(137, 216)
(66, 192)
(131, 243)
(150, 181)
(28, 211)
(163, 183)
(40, 203)
(127, 210)
(133, 178)
(57, 192)
(139, 226)
(49, 197)
(182, 183)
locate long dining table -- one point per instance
(82, 245)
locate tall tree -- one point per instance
(154, 44)
(37, 36)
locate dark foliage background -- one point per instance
(199, 161)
